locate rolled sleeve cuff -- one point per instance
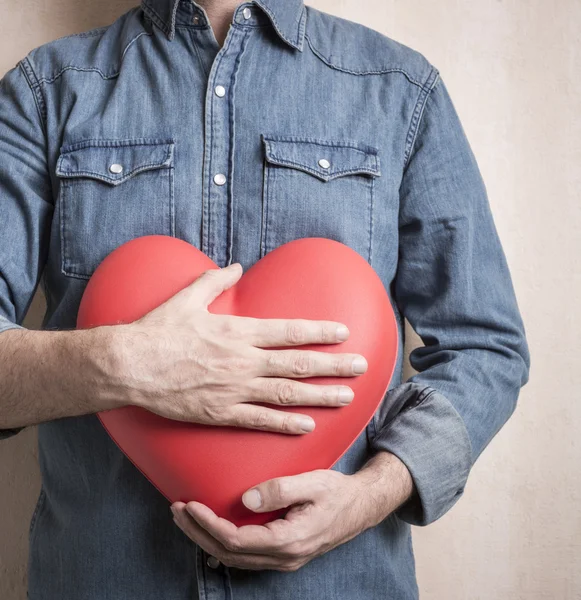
(431, 439)
(5, 325)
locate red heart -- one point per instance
(309, 278)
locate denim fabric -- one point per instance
(401, 187)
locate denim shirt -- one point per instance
(302, 124)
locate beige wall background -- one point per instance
(512, 67)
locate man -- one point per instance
(239, 127)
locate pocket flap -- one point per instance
(114, 161)
(324, 159)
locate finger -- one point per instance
(310, 363)
(281, 492)
(288, 392)
(198, 534)
(269, 419)
(266, 333)
(212, 546)
(270, 539)
(211, 283)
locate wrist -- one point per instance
(386, 484)
(107, 361)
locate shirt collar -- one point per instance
(287, 17)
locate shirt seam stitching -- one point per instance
(335, 143)
(84, 144)
(382, 71)
(104, 75)
(35, 87)
(426, 89)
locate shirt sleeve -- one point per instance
(26, 204)
(454, 287)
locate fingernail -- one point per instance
(252, 499)
(342, 333)
(345, 395)
(359, 365)
(306, 424)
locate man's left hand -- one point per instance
(328, 508)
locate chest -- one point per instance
(235, 151)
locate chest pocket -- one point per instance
(318, 188)
(112, 191)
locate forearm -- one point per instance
(386, 484)
(46, 375)
(453, 286)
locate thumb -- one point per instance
(211, 283)
(284, 491)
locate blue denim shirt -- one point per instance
(237, 170)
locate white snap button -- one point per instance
(116, 168)
(219, 179)
(220, 90)
(213, 562)
(246, 13)
(195, 19)
(324, 163)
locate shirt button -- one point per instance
(213, 562)
(246, 13)
(220, 90)
(324, 163)
(195, 19)
(219, 179)
(116, 168)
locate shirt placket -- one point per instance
(213, 579)
(217, 227)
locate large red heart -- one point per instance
(310, 278)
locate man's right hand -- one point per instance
(183, 362)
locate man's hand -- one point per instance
(183, 362)
(328, 509)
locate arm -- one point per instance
(48, 375)
(454, 287)
(43, 374)
(386, 484)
